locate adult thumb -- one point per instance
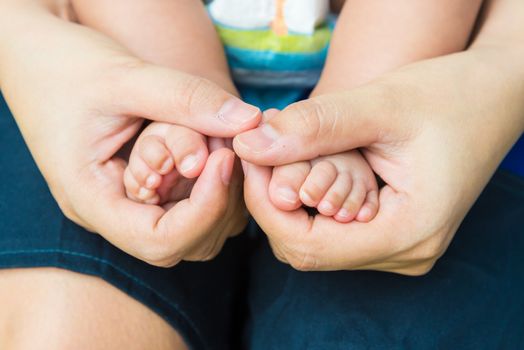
(167, 95)
(319, 126)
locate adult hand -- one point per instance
(78, 97)
(434, 131)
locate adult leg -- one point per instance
(49, 308)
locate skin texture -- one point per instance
(400, 122)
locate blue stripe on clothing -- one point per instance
(273, 61)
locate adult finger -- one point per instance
(324, 125)
(190, 221)
(231, 223)
(163, 94)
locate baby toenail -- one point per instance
(287, 194)
(325, 206)
(188, 163)
(167, 166)
(343, 213)
(151, 181)
(365, 213)
(143, 193)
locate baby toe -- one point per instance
(317, 183)
(285, 185)
(155, 154)
(336, 195)
(137, 193)
(353, 203)
(370, 208)
(189, 150)
(131, 185)
(143, 174)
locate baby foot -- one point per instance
(162, 155)
(342, 186)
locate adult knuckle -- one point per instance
(165, 263)
(309, 118)
(68, 211)
(212, 249)
(211, 254)
(278, 251)
(159, 257)
(430, 249)
(303, 259)
(193, 93)
(420, 269)
(115, 77)
(159, 252)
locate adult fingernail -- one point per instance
(287, 194)
(234, 112)
(259, 139)
(227, 169)
(189, 163)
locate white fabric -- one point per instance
(301, 16)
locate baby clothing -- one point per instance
(298, 16)
(274, 43)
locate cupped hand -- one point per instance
(78, 97)
(434, 131)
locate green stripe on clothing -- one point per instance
(266, 40)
